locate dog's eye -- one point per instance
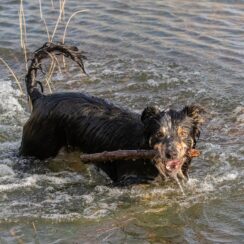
(156, 138)
(182, 132)
(159, 135)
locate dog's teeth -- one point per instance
(168, 167)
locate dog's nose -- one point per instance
(169, 154)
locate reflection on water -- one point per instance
(168, 53)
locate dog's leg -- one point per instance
(42, 142)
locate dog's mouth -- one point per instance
(176, 168)
(171, 168)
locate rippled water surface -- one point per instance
(168, 53)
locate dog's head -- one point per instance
(173, 134)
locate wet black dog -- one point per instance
(91, 124)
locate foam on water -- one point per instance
(59, 218)
(11, 120)
(25, 183)
(103, 201)
(6, 171)
(60, 179)
(7, 146)
(99, 210)
(152, 83)
(11, 110)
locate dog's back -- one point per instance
(86, 123)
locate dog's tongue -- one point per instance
(173, 165)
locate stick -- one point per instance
(127, 155)
(118, 155)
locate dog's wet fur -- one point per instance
(91, 124)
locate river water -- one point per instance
(140, 53)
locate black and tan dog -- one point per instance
(91, 124)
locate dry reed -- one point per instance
(13, 74)
(58, 20)
(23, 38)
(66, 26)
(40, 6)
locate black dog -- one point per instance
(91, 124)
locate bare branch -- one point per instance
(118, 155)
(127, 155)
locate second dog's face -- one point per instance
(173, 134)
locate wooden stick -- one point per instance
(118, 155)
(126, 155)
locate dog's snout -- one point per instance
(170, 154)
(166, 151)
(170, 150)
(167, 154)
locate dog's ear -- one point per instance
(196, 112)
(149, 112)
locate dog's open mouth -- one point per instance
(170, 168)
(174, 168)
(172, 165)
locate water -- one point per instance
(139, 53)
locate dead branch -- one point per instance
(118, 155)
(127, 155)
